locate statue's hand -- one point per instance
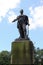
(28, 24)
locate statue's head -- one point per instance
(21, 11)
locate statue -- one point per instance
(21, 24)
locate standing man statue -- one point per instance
(21, 24)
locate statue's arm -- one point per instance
(14, 20)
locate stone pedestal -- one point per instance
(22, 52)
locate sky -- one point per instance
(9, 10)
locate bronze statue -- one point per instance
(21, 24)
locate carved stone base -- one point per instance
(22, 52)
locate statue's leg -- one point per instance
(21, 32)
(24, 30)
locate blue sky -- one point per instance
(9, 10)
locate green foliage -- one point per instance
(38, 56)
(5, 57)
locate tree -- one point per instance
(38, 55)
(5, 57)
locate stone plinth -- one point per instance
(22, 52)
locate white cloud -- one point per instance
(36, 19)
(0, 19)
(6, 5)
(12, 16)
(32, 25)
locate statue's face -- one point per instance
(21, 11)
